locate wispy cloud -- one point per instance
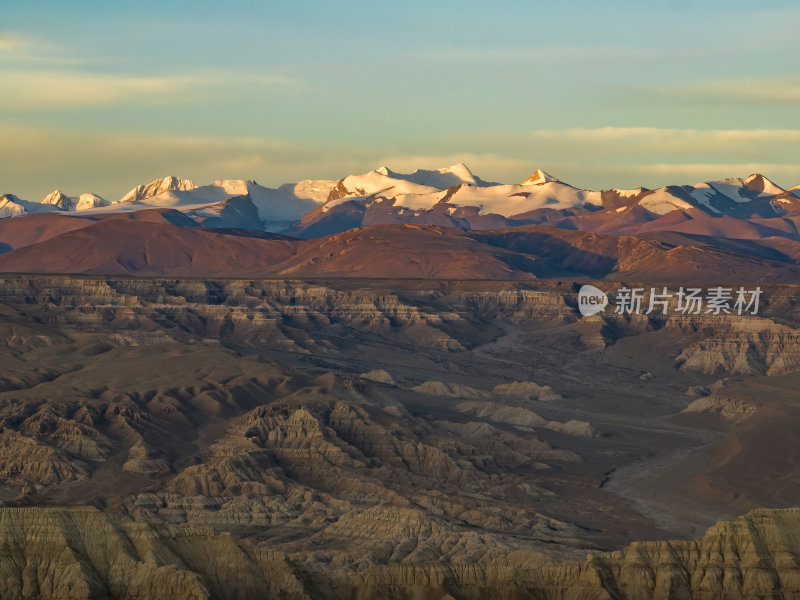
(657, 156)
(26, 51)
(533, 54)
(674, 141)
(110, 163)
(34, 160)
(692, 135)
(762, 90)
(634, 156)
(41, 75)
(9, 42)
(634, 145)
(723, 169)
(41, 90)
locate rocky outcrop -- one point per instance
(24, 460)
(742, 346)
(523, 417)
(527, 390)
(436, 315)
(730, 408)
(451, 390)
(379, 376)
(82, 554)
(755, 556)
(144, 460)
(752, 558)
(315, 463)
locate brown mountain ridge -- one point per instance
(165, 242)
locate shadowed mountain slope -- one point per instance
(155, 246)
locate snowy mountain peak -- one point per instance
(753, 177)
(89, 201)
(236, 187)
(158, 186)
(759, 183)
(539, 177)
(460, 170)
(441, 178)
(61, 201)
(58, 199)
(11, 206)
(10, 198)
(440, 195)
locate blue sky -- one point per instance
(101, 96)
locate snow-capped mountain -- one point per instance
(385, 197)
(753, 195)
(159, 186)
(544, 191)
(281, 205)
(538, 177)
(407, 191)
(11, 206)
(439, 178)
(70, 203)
(450, 196)
(257, 206)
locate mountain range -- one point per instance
(383, 387)
(444, 222)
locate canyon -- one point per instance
(407, 438)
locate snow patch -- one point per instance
(703, 193)
(505, 200)
(662, 201)
(628, 193)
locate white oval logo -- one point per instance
(591, 300)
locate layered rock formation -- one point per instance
(80, 553)
(402, 439)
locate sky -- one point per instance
(99, 96)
